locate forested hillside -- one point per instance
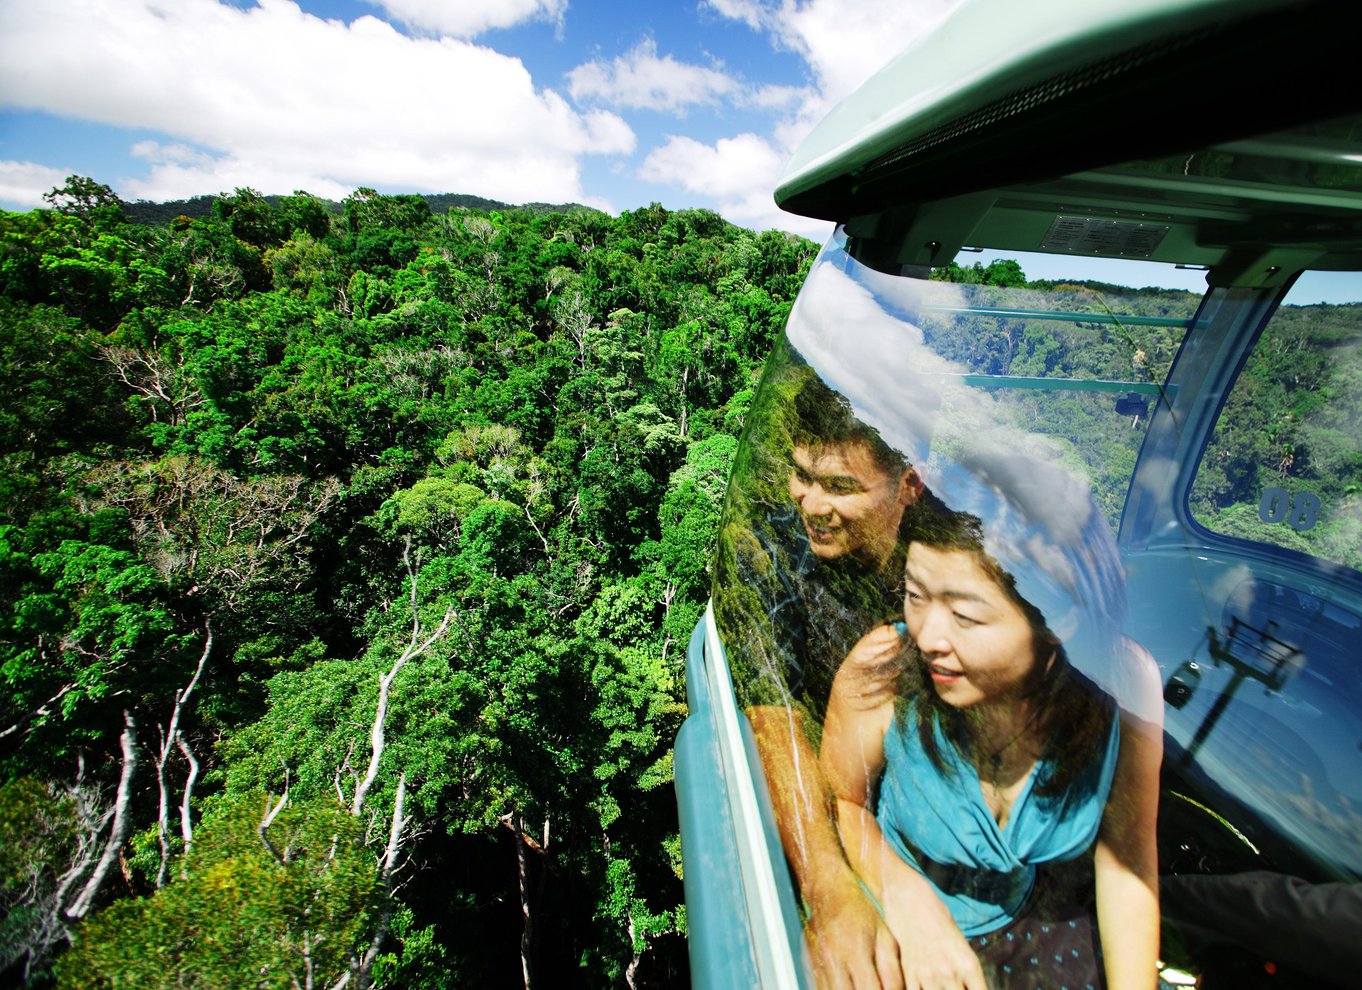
(347, 567)
(199, 207)
(348, 561)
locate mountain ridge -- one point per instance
(159, 214)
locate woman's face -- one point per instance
(976, 642)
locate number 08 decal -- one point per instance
(1299, 511)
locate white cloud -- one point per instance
(774, 97)
(643, 80)
(843, 44)
(25, 183)
(751, 12)
(278, 99)
(724, 169)
(180, 154)
(467, 18)
(185, 176)
(739, 172)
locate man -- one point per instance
(819, 577)
(822, 559)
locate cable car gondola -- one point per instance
(986, 370)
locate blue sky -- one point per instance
(614, 103)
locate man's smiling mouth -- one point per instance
(820, 534)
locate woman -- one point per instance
(966, 780)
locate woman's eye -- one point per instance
(965, 620)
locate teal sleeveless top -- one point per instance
(939, 824)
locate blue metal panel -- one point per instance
(720, 938)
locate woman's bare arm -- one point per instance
(930, 951)
(1126, 859)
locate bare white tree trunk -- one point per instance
(669, 591)
(574, 315)
(631, 971)
(361, 971)
(685, 381)
(417, 645)
(80, 907)
(170, 739)
(524, 845)
(55, 929)
(271, 813)
(527, 930)
(41, 711)
(186, 823)
(540, 533)
(308, 970)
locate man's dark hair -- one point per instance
(824, 416)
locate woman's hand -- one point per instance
(932, 952)
(870, 671)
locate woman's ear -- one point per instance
(1047, 650)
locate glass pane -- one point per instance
(1284, 465)
(935, 470)
(1080, 364)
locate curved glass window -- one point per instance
(957, 677)
(1284, 464)
(883, 378)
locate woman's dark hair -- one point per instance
(1073, 714)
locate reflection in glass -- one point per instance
(1020, 410)
(988, 767)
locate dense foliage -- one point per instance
(1292, 422)
(348, 558)
(347, 563)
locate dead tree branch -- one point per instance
(271, 813)
(119, 832)
(186, 823)
(362, 968)
(41, 711)
(418, 644)
(171, 738)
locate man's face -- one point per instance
(848, 503)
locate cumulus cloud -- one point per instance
(739, 171)
(644, 80)
(160, 154)
(279, 99)
(467, 18)
(25, 183)
(843, 45)
(775, 97)
(724, 168)
(180, 172)
(751, 12)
